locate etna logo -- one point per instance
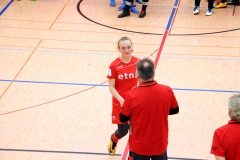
(127, 76)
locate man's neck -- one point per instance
(142, 80)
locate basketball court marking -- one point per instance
(6, 7)
(167, 31)
(73, 152)
(21, 68)
(58, 15)
(49, 151)
(138, 55)
(106, 86)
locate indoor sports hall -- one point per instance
(54, 56)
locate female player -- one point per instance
(122, 78)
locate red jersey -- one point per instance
(149, 105)
(125, 75)
(226, 141)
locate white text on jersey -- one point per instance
(127, 76)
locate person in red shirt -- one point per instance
(147, 107)
(122, 78)
(226, 139)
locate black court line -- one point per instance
(50, 151)
(74, 152)
(80, 12)
(193, 34)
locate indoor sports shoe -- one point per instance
(221, 5)
(112, 147)
(142, 14)
(209, 12)
(134, 10)
(196, 10)
(139, 1)
(112, 3)
(121, 7)
(216, 4)
(124, 14)
(233, 2)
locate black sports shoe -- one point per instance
(142, 14)
(124, 14)
(233, 2)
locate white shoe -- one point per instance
(196, 10)
(209, 12)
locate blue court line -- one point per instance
(61, 83)
(205, 90)
(176, 3)
(5, 8)
(114, 54)
(105, 85)
(170, 19)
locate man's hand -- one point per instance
(130, 127)
(220, 158)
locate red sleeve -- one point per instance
(111, 72)
(174, 101)
(217, 148)
(125, 110)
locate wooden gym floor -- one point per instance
(54, 56)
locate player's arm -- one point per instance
(220, 158)
(125, 113)
(114, 92)
(174, 111)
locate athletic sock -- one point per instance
(144, 6)
(115, 138)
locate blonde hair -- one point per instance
(234, 107)
(123, 39)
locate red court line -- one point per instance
(174, 17)
(160, 48)
(56, 99)
(50, 101)
(125, 153)
(233, 10)
(155, 65)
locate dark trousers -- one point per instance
(131, 1)
(156, 157)
(122, 130)
(210, 3)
